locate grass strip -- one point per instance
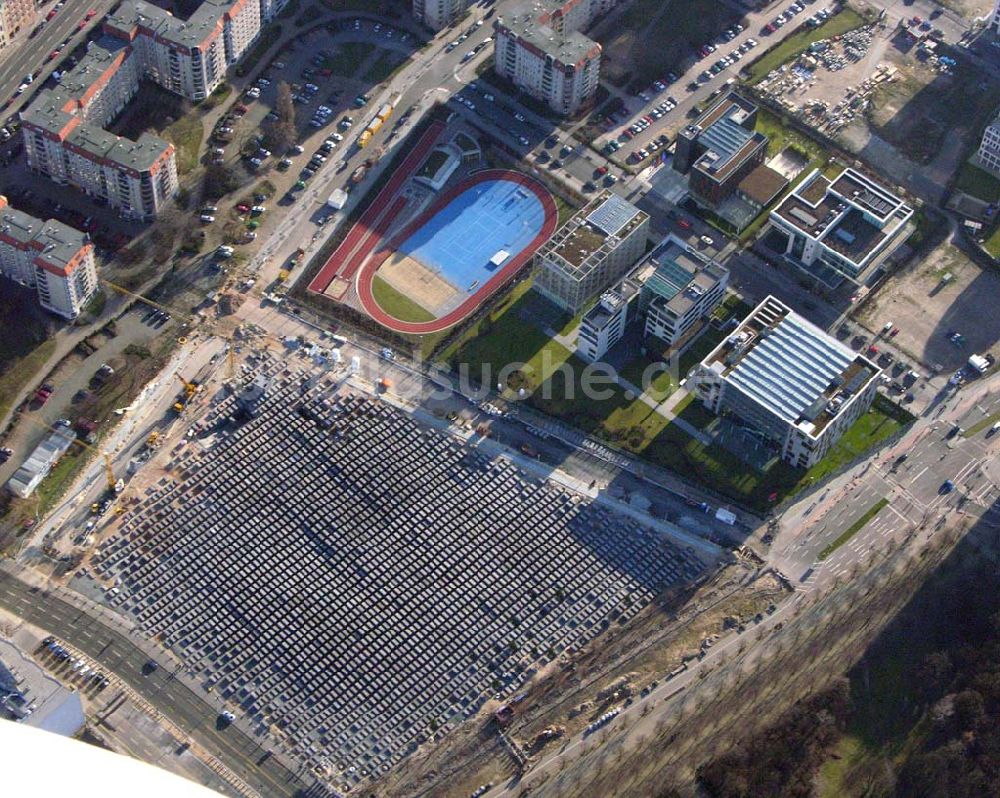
(854, 528)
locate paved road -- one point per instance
(120, 654)
(29, 55)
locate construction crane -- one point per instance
(147, 300)
(190, 389)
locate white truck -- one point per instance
(337, 199)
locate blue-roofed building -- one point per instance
(786, 381)
(720, 148)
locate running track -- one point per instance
(366, 233)
(491, 286)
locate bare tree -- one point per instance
(280, 134)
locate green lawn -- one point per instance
(186, 135)
(22, 371)
(781, 135)
(565, 210)
(978, 183)
(398, 305)
(871, 429)
(992, 244)
(853, 529)
(642, 369)
(553, 378)
(347, 58)
(797, 43)
(385, 66)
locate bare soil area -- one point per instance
(926, 309)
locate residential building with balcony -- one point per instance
(538, 46)
(54, 259)
(594, 249)
(439, 14)
(15, 16)
(786, 383)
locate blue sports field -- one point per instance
(458, 241)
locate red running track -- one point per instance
(372, 238)
(491, 286)
(369, 221)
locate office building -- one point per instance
(988, 155)
(668, 292)
(786, 383)
(16, 16)
(439, 14)
(684, 288)
(720, 149)
(591, 251)
(604, 325)
(995, 19)
(539, 47)
(842, 227)
(56, 260)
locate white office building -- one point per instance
(842, 227)
(669, 292)
(589, 253)
(989, 148)
(786, 382)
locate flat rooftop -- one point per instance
(680, 275)
(790, 367)
(594, 229)
(851, 215)
(526, 21)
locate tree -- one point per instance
(279, 134)
(220, 179)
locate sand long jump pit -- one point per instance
(457, 253)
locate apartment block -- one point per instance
(995, 19)
(842, 227)
(786, 383)
(188, 57)
(15, 16)
(538, 46)
(64, 128)
(591, 251)
(54, 259)
(439, 14)
(989, 148)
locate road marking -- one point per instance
(919, 474)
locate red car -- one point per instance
(243, 208)
(91, 14)
(601, 170)
(51, 14)
(82, 25)
(684, 224)
(52, 55)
